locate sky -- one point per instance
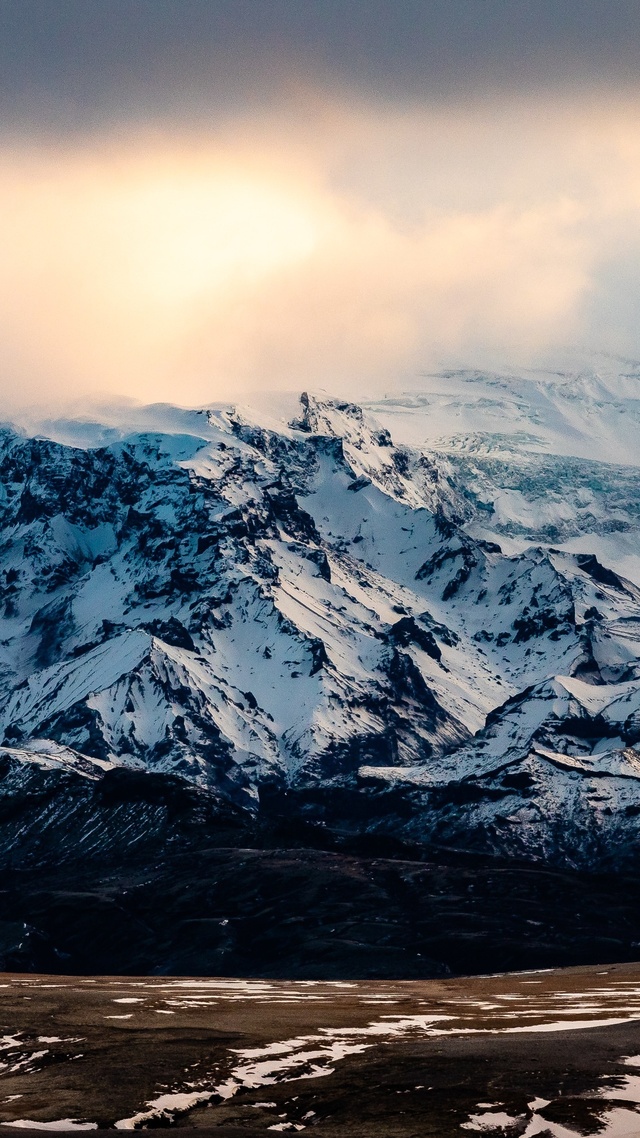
(204, 198)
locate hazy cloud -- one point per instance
(271, 254)
(202, 196)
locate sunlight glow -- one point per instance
(188, 236)
(349, 251)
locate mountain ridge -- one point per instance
(314, 608)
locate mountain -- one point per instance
(222, 630)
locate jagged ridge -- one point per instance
(312, 610)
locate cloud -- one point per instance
(77, 62)
(336, 244)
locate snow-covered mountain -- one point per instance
(416, 639)
(546, 457)
(592, 414)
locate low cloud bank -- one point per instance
(331, 245)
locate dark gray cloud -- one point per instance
(73, 62)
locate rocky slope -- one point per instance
(209, 621)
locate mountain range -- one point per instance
(410, 628)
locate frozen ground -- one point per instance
(553, 1052)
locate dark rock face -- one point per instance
(408, 631)
(199, 624)
(302, 913)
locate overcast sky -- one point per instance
(200, 196)
(65, 62)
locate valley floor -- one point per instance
(553, 1052)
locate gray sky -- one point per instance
(207, 196)
(68, 62)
